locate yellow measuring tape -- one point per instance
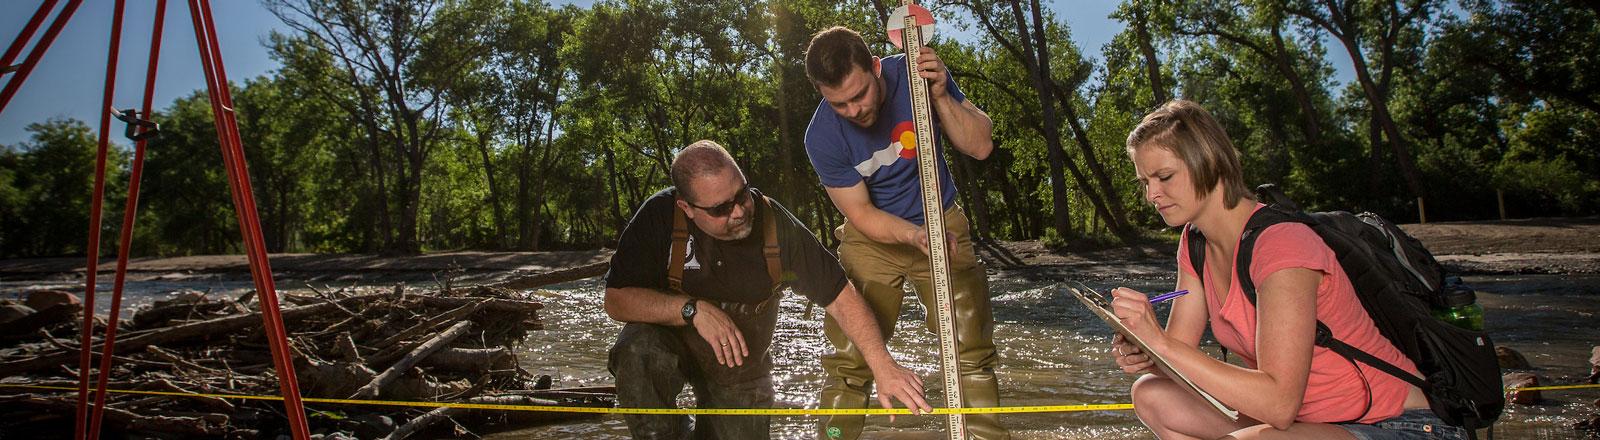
(1553, 388)
(689, 411)
(652, 411)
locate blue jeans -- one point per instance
(1418, 423)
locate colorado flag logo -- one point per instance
(904, 146)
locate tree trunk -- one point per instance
(1302, 95)
(547, 161)
(525, 187)
(618, 222)
(786, 169)
(1037, 60)
(557, 276)
(494, 189)
(1339, 26)
(407, 240)
(1158, 89)
(1111, 203)
(975, 197)
(385, 232)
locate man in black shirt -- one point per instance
(694, 278)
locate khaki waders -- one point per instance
(879, 271)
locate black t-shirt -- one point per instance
(730, 271)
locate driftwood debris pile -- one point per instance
(453, 345)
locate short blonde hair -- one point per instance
(1188, 131)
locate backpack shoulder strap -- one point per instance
(680, 244)
(1253, 228)
(770, 249)
(1259, 221)
(1197, 250)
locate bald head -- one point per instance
(700, 159)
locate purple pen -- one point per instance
(1167, 296)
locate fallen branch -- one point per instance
(422, 351)
(452, 315)
(22, 328)
(496, 305)
(440, 414)
(178, 334)
(472, 359)
(117, 418)
(557, 276)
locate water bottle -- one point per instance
(1461, 307)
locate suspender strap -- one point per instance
(680, 245)
(770, 249)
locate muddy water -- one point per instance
(1053, 353)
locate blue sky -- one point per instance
(68, 81)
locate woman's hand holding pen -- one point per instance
(1133, 308)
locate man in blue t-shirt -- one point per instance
(862, 143)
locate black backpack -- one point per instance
(1398, 282)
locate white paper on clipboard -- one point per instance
(1098, 304)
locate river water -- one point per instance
(1052, 352)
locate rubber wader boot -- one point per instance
(842, 393)
(979, 390)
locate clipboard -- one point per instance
(1097, 303)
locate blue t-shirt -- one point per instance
(883, 155)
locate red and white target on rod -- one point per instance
(897, 22)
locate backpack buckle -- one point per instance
(1324, 336)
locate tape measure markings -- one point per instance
(688, 411)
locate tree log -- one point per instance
(556, 276)
(177, 334)
(497, 305)
(117, 418)
(216, 403)
(432, 323)
(28, 326)
(440, 414)
(472, 359)
(422, 351)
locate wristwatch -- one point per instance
(688, 312)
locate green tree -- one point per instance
(48, 183)
(386, 52)
(1055, 71)
(185, 188)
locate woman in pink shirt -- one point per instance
(1288, 388)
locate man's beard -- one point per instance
(740, 231)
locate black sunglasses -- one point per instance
(725, 208)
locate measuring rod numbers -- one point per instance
(932, 214)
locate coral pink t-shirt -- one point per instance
(1334, 390)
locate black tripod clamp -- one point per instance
(138, 129)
